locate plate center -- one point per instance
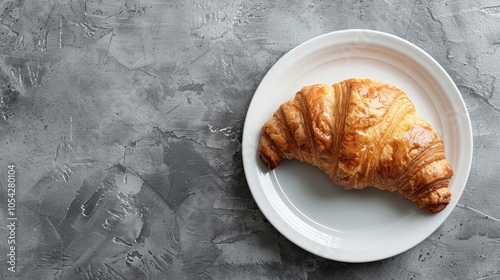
(311, 193)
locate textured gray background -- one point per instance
(124, 119)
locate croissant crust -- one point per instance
(361, 133)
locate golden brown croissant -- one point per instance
(361, 133)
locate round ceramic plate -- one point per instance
(301, 202)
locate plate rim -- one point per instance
(433, 68)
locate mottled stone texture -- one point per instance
(124, 119)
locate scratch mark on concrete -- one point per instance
(149, 72)
(200, 56)
(60, 32)
(175, 107)
(490, 7)
(9, 29)
(411, 17)
(478, 212)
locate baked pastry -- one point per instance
(361, 133)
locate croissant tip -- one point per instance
(433, 209)
(268, 161)
(438, 207)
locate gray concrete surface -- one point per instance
(124, 121)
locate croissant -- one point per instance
(361, 133)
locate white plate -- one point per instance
(301, 202)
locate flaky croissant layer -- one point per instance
(361, 133)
